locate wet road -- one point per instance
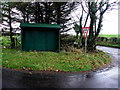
(104, 78)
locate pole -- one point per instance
(85, 45)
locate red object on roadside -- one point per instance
(85, 31)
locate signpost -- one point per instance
(85, 32)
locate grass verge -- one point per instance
(108, 44)
(51, 61)
(109, 35)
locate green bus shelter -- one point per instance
(40, 37)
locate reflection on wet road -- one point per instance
(104, 78)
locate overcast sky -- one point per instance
(110, 23)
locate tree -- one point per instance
(8, 18)
(46, 12)
(25, 10)
(62, 11)
(36, 12)
(93, 13)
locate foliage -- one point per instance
(93, 13)
(6, 41)
(8, 18)
(46, 12)
(108, 44)
(109, 40)
(35, 12)
(67, 41)
(74, 60)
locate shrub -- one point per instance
(118, 40)
(67, 41)
(113, 39)
(5, 41)
(102, 39)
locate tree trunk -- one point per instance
(91, 42)
(91, 45)
(36, 12)
(12, 45)
(46, 13)
(27, 17)
(99, 26)
(58, 15)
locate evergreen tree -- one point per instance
(9, 17)
(62, 11)
(46, 12)
(26, 10)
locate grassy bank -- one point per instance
(109, 35)
(109, 40)
(51, 61)
(107, 44)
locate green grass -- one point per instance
(51, 61)
(109, 35)
(108, 44)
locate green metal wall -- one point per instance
(40, 39)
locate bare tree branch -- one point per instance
(83, 7)
(80, 29)
(86, 19)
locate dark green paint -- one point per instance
(39, 25)
(40, 39)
